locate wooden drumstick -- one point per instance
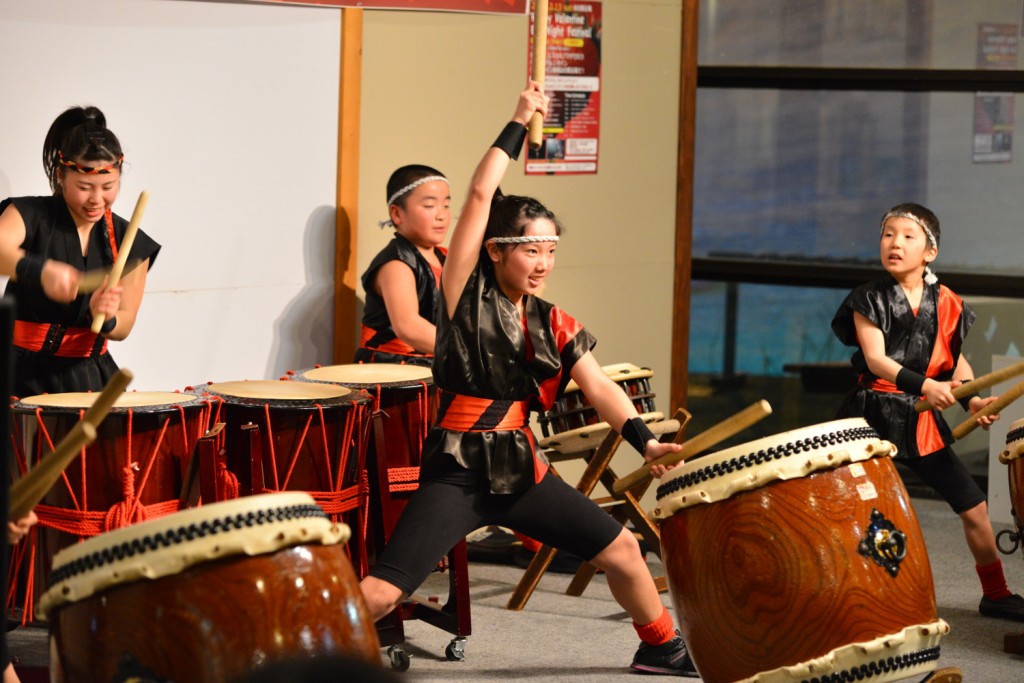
(1005, 399)
(122, 254)
(983, 382)
(720, 432)
(535, 128)
(26, 493)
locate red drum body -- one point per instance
(1013, 458)
(573, 411)
(289, 436)
(132, 471)
(207, 595)
(799, 557)
(405, 406)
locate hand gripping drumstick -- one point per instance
(26, 493)
(1005, 399)
(540, 50)
(720, 432)
(983, 382)
(122, 255)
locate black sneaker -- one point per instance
(670, 659)
(1010, 607)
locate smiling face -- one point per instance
(521, 269)
(905, 248)
(425, 218)
(87, 195)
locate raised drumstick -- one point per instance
(983, 382)
(122, 255)
(720, 432)
(26, 492)
(535, 128)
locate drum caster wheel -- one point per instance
(399, 658)
(456, 650)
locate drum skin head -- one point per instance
(129, 399)
(276, 390)
(369, 374)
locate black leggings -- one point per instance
(452, 502)
(944, 472)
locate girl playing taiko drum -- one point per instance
(910, 331)
(500, 352)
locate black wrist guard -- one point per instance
(637, 434)
(965, 402)
(29, 270)
(108, 325)
(909, 382)
(511, 139)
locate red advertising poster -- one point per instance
(572, 79)
(484, 6)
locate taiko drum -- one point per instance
(574, 411)
(799, 557)
(131, 472)
(207, 594)
(1013, 458)
(404, 406)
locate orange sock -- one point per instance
(659, 631)
(993, 582)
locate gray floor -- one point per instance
(561, 638)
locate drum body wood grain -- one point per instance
(269, 580)
(799, 556)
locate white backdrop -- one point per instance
(228, 117)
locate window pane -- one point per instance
(798, 175)
(851, 33)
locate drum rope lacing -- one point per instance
(182, 534)
(84, 523)
(879, 667)
(764, 455)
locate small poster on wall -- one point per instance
(572, 79)
(993, 112)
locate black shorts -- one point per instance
(943, 471)
(454, 501)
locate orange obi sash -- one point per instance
(58, 340)
(396, 345)
(461, 413)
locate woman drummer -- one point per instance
(46, 244)
(500, 352)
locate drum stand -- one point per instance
(385, 506)
(622, 507)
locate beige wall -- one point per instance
(437, 88)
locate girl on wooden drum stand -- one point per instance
(910, 331)
(45, 245)
(500, 352)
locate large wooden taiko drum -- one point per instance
(798, 557)
(206, 594)
(1013, 458)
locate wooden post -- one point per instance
(684, 205)
(347, 226)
